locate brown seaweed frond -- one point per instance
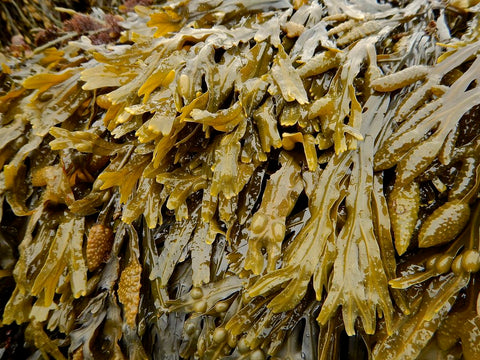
(220, 180)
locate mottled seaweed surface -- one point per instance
(242, 180)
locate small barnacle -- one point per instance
(129, 291)
(99, 245)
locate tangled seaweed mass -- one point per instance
(244, 180)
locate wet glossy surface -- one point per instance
(247, 180)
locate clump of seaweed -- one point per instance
(246, 180)
(26, 17)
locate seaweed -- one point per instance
(243, 180)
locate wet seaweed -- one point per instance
(244, 180)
